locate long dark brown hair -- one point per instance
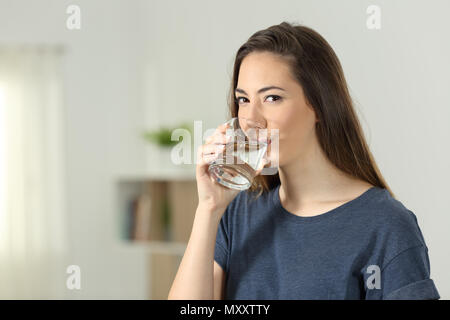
(317, 69)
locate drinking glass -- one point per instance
(237, 165)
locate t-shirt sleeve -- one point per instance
(221, 250)
(407, 277)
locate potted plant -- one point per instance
(162, 138)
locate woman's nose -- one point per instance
(254, 113)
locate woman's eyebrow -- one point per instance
(260, 90)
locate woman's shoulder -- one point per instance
(384, 206)
(390, 218)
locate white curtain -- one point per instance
(32, 175)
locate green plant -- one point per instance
(163, 135)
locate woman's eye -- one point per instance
(238, 99)
(276, 98)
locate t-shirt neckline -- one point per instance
(283, 213)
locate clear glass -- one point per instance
(237, 165)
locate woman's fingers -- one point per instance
(209, 152)
(223, 127)
(219, 135)
(213, 147)
(217, 138)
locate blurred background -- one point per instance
(91, 207)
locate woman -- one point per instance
(326, 226)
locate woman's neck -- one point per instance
(311, 183)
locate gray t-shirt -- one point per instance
(368, 248)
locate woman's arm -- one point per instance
(198, 276)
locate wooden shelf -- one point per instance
(165, 203)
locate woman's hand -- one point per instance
(211, 194)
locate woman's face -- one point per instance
(285, 109)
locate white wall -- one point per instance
(103, 113)
(150, 62)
